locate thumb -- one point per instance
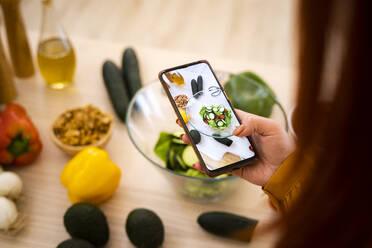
(251, 123)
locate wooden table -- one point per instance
(45, 200)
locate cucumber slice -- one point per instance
(222, 109)
(189, 156)
(209, 108)
(215, 109)
(171, 164)
(222, 176)
(176, 164)
(211, 116)
(220, 123)
(182, 165)
(178, 141)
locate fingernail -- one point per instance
(182, 136)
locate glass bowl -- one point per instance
(150, 113)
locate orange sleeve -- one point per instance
(284, 186)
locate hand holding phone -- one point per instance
(207, 117)
(274, 144)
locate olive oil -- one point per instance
(57, 63)
(55, 54)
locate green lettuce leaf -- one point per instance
(248, 92)
(163, 145)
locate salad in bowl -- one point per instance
(217, 117)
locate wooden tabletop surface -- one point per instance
(45, 200)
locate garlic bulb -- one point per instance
(10, 185)
(8, 213)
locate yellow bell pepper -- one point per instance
(185, 117)
(90, 176)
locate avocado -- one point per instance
(75, 243)
(86, 221)
(228, 225)
(195, 136)
(144, 228)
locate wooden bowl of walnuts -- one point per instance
(78, 128)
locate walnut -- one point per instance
(181, 101)
(82, 126)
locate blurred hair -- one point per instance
(334, 207)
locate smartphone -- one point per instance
(207, 117)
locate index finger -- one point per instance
(242, 115)
(185, 139)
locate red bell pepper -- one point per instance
(19, 139)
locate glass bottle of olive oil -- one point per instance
(55, 55)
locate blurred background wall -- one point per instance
(256, 30)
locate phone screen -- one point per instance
(195, 91)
